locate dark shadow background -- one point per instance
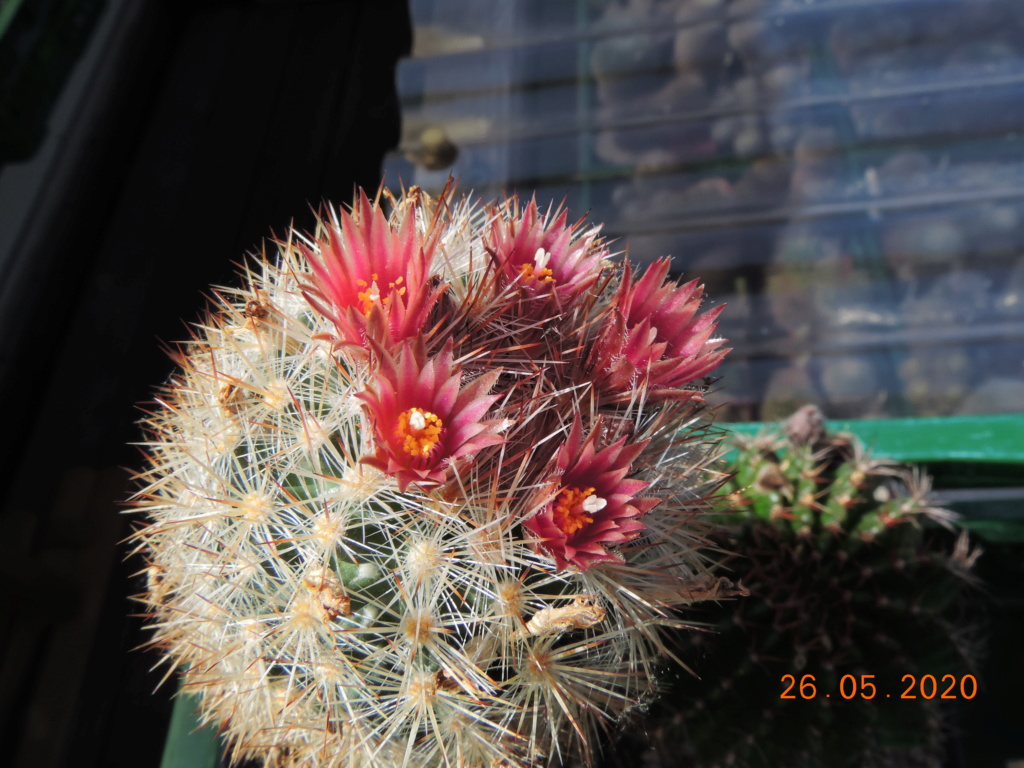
(210, 125)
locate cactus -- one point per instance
(844, 579)
(428, 489)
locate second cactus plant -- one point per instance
(857, 642)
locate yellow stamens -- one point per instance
(539, 269)
(419, 430)
(372, 294)
(570, 512)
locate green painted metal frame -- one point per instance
(188, 744)
(990, 439)
(959, 444)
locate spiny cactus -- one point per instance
(427, 490)
(844, 579)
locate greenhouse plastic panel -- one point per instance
(846, 175)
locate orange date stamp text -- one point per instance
(864, 687)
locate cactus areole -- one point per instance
(428, 488)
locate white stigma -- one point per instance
(593, 504)
(541, 259)
(417, 421)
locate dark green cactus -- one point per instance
(848, 576)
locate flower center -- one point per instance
(371, 295)
(573, 508)
(538, 270)
(419, 430)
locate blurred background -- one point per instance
(847, 175)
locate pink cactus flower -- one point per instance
(543, 255)
(592, 504)
(371, 276)
(656, 337)
(423, 419)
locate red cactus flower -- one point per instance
(594, 505)
(656, 337)
(543, 255)
(423, 419)
(370, 277)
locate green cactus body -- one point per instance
(849, 587)
(416, 499)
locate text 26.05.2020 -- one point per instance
(865, 687)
